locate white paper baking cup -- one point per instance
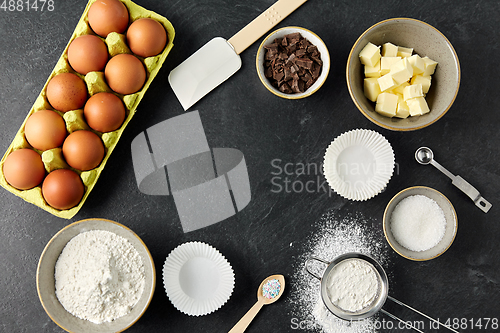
(198, 279)
(358, 164)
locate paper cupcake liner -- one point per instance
(198, 279)
(358, 164)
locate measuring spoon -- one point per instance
(242, 325)
(424, 155)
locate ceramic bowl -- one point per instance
(311, 37)
(46, 284)
(425, 41)
(449, 213)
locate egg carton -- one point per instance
(53, 159)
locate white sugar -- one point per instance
(418, 223)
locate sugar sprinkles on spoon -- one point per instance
(271, 289)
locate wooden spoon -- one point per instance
(261, 301)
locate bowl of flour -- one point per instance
(95, 275)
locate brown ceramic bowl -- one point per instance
(45, 281)
(425, 41)
(450, 231)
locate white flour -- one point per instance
(333, 236)
(99, 276)
(352, 285)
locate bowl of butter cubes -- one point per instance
(403, 74)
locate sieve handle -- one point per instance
(416, 311)
(407, 324)
(306, 266)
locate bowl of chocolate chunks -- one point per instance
(292, 62)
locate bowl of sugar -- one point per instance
(95, 275)
(420, 223)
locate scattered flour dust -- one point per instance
(99, 276)
(334, 235)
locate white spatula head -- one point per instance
(208, 67)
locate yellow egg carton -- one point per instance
(53, 159)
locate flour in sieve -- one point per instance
(352, 285)
(334, 235)
(99, 276)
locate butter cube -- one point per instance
(402, 111)
(430, 66)
(401, 71)
(425, 81)
(404, 52)
(418, 106)
(386, 82)
(387, 104)
(400, 88)
(371, 88)
(373, 71)
(413, 91)
(370, 55)
(389, 50)
(386, 63)
(417, 63)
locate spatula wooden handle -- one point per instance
(243, 323)
(263, 23)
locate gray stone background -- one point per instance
(242, 114)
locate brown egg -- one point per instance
(87, 53)
(83, 150)
(107, 16)
(125, 74)
(45, 129)
(62, 189)
(146, 37)
(66, 91)
(104, 112)
(24, 169)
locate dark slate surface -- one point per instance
(242, 114)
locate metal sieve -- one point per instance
(377, 303)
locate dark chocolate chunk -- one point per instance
(317, 60)
(312, 49)
(298, 86)
(285, 88)
(300, 53)
(315, 71)
(294, 37)
(304, 62)
(268, 72)
(278, 75)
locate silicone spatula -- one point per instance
(218, 59)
